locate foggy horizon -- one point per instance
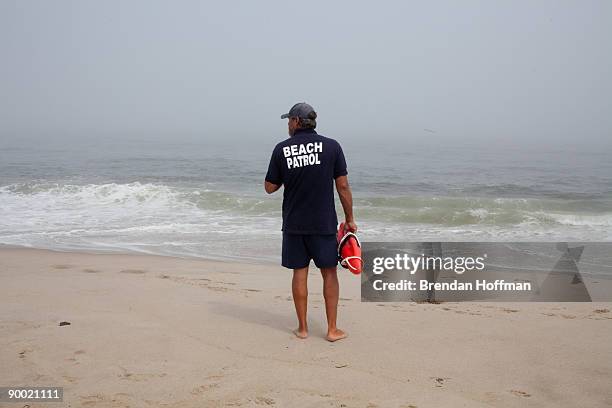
(471, 72)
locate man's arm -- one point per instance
(273, 179)
(346, 198)
(270, 187)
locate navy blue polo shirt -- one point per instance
(307, 164)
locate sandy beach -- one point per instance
(162, 331)
(159, 160)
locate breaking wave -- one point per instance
(178, 220)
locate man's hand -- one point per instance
(350, 226)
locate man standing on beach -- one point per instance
(307, 164)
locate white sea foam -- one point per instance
(195, 221)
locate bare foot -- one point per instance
(335, 335)
(301, 334)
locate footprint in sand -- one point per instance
(138, 376)
(203, 388)
(217, 288)
(264, 401)
(600, 314)
(439, 381)
(74, 358)
(214, 381)
(62, 266)
(71, 380)
(118, 400)
(133, 271)
(219, 282)
(520, 393)
(91, 399)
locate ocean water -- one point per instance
(206, 199)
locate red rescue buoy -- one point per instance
(349, 250)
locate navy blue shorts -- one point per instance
(299, 249)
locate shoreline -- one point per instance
(153, 330)
(247, 261)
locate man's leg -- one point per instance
(299, 286)
(331, 292)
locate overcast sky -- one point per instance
(520, 71)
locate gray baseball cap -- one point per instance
(300, 110)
